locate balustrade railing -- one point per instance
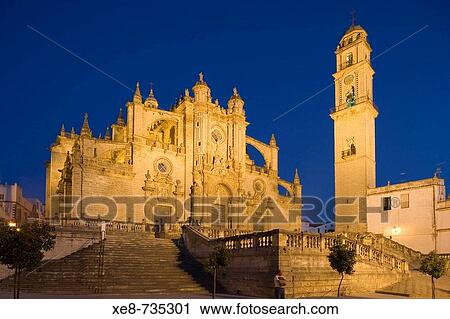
(217, 232)
(120, 226)
(302, 243)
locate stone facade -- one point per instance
(195, 150)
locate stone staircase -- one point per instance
(133, 264)
(302, 258)
(418, 285)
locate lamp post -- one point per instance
(396, 230)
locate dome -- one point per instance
(151, 101)
(200, 81)
(354, 28)
(353, 33)
(235, 103)
(201, 90)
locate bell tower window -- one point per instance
(349, 152)
(350, 97)
(349, 59)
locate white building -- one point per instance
(415, 214)
(15, 207)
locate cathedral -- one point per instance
(190, 164)
(186, 164)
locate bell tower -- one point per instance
(354, 116)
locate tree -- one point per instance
(434, 266)
(23, 248)
(342, 259)
(217, 261)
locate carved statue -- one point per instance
(195, 189)
(350, 97)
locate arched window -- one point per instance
(349, 59)
(172, 135)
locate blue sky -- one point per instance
(278, 54)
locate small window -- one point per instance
(386, 202)
(404, 198)
(95, 152)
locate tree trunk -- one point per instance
(18, 284)
(339, 287)
(214, 283)
(15, 282)
(433, 295)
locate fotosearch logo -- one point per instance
(215, 209)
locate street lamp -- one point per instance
(396, 230)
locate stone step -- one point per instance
(133, 263)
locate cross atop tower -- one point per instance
(353, 13)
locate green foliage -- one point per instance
(23, 248)
(342, 258)
(218, 259)
(433, 265)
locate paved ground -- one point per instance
(418, 285)
(4, 295)
(177, 296)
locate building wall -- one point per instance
(412, 226)
(443, 226)
(13, 205)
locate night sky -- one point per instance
(277, 53)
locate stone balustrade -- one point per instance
(166, 146)
(298, 243)
(173, 230)
(257, 256)
(219, 232)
